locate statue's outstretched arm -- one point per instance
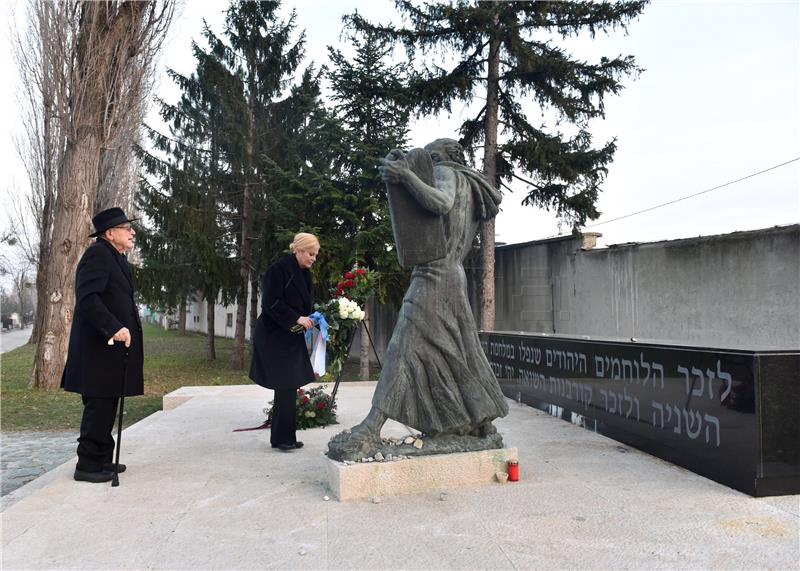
(438, 199)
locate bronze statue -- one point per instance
(436, 377)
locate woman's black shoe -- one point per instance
(288, 447)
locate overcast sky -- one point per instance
(719, 100)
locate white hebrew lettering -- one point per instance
(657, 406)
(690, 417)
(629, 376)
(715, 421)
(658, 367)
(644, 364)
(710, 375)
(615, 366)
(698, 392)
(582, 357)
(685, 372)
(677, 429)
(728, 383)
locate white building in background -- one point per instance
(197, 318)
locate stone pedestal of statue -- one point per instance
(415, 475)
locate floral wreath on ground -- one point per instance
(314, 407)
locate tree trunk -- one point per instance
(253, 308)
(52, 152)
(365, 345)
(19, 286)
(182, 317)
(52, 89)
(241, 308)
(245, 251)
(109, 37)
(487, 308)
(41, 282)
(70, 237)
(21, 296)
(211, 349)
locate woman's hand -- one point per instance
(306, 322)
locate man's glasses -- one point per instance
(127, 227)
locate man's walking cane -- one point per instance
(115, 480)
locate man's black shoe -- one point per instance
(111, 467)
(94, 477)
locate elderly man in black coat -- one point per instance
(105, 342)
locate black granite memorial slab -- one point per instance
(729, 415)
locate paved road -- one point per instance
(14, 338)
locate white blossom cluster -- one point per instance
(349, 309)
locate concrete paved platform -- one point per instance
(199, 496)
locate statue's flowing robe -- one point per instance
(436, 377)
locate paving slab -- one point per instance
(199, 496)
(27, 455)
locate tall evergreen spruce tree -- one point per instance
(331, 179)
(300, 178)
(506, 56)
(373, 107)
(259, 57)
(186, 247)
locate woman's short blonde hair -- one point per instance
(303, 241)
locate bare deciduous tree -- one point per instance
(41, 51)
(111, 49)
(23, 251)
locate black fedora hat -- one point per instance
(108, 219)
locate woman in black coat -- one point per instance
(280, 357)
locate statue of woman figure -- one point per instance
(436, 377)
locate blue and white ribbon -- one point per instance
(318, 355)
(320, 321)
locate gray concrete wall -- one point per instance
(739, 290)
(732, 290)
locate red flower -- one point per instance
(305, 400)
(349, 275)
(321, 405)
(349, 283)
(361, 271)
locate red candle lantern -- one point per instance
(513, 471)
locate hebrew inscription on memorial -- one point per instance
(692, 406)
